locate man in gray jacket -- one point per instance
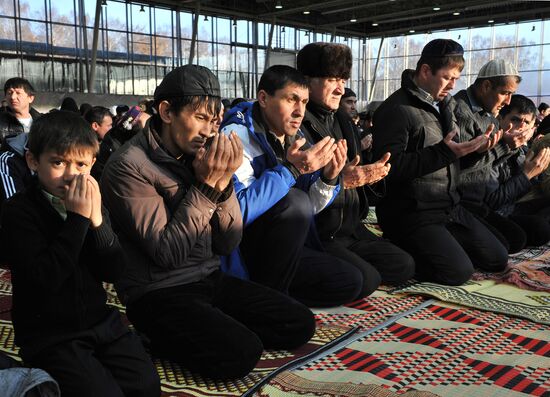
(170, 194)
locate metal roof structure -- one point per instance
(373, 18)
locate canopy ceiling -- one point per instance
(389, 17)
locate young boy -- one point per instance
(60, 247)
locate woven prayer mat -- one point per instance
(436, 349)
(368, 312)
(528, 269)
(489, 295)
(175, 380)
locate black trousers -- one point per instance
(510, 234)
(99, 363)
(446, 252)
(274, 250)
(379, 260)
(219, 326)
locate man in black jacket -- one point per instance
(327, 67)
(420, 211)
(20, 95)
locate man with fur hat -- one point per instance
(420, 211)
(171, 196)
(477, 108)
(327, 67)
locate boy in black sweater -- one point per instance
(60, 247)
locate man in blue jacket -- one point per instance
(281, 184)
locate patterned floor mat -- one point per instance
(441, 349)
(489, 295)
(175, 380)
(528, 269)
(368, 312)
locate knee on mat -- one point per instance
(296, 330)
(404, 272)
(538, 235)
(148, 385)
(371, 282)
(457, 276)
(236, 361)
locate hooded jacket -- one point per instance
(262, 180)
(172, 228)
(421, 184)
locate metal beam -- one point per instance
(94, 46)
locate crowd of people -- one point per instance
(221, 224)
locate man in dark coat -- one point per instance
(327, 67)
(420, 211)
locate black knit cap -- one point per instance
(348, 92)
(442, 48)
(325, 60)
(188, 80)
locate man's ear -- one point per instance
(32, 162)
(486, 86)
(93, 162)
(262, 98)
(95, 126)
(164, 112)
(425, 71)
(31, 99)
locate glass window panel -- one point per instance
(546, 39)
(416, 43)
(263, 34)
(374, 46)
(116, 15)
(242, 31)
(163, 48)
(461, 36)
(242, 59)
(89, 8)
(141, 45)
(63, 36)
(505, 35)
(206, 55)
(546, 56)
(118, 42)
(379, 70)
(205, 29)
(481, 38)
(529, 84)
(529, 33)
(63, 12)
(224, 29)
(288, 38)
(7, 28)
(6, 8)
(545, 86)
(378, 94)
(33, 31)
(186, 23)
(396, 46)
(31, 9)
(140, 19)
(395, 67)
(529, 58)
(225, 57)
(461, 84)
(508, 54)
(478, 59)
(163, 22)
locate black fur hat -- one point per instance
(325, 60)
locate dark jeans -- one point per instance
(536, 228)
(219, 326)
(510, 234)
(447, 252)
(275, 254)
(93, 364)
(379, 260)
